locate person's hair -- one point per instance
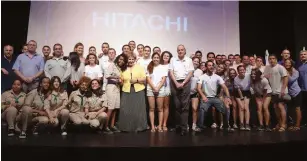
(46, 46)
(224, 62)
(240, 66)
(208, 61)
(163, 53)
(210, 53)
(147, 47)
(259, 57)
(195, 57)
(127, 46)
(244, 56)
(91, 48)
(232, 69)
(258, 75)
(88, 58)
(105, 43)
(273, 55)
(131, 41)
(156, 47)
(198, 51)
(223, 72)
(290, 71)
(77, 45)
(111, 49)
(303, 51)
(230, 55)
(40, 88)
(57, 44)
(218, 55)
(237, 55)
(32, 41)
(74, 60)
(124, 67)
(223, 55)
(87, 80)
(150, 66)
(97, 92)
(53, 79)
(139, 45)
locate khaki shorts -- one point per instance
(113, 96)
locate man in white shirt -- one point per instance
(181, 71)
(146, 59)
(140, 49)
(103, 57)
(132, 45)
(208, 89)
(278, 78)
(112, 56)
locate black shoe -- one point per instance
(268, 129)
(183, 132)
(114, 129)
(172, 129)
(11, 132)
(230, 129)
(22, 135)
(260, 128)
(107, 131)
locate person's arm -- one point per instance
(187, 79)
(201, 92)
(41, 69)
(142, 78)
(67, 74)
(237, 87)
(284, 75)
(150, 82)
(46, 69)
(172, 75)
(16, 68)
(162, 82)
(47, 107)
(294, 77)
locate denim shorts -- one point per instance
(151, 94)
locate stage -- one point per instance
(210, 144)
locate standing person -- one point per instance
(79, 49)
(111, 55)
(278, 78)
(302, 80)
(77, 102)
(156, 76)
(76, 72)
(132, 116)
(285, 54)
(34, 108)
(112, 74)
(243, 95)
(165, 60)
(194, 94)
(46, 53)
(262, 91)
(92, 69)
(104, 56)
(92, 50)
(156, 49)
(181, 71)
(11, 103)
(295, 93)
(29, 67)
(146, 59)
(55, 105)
(140, 49)
(7, 62)
(208, 89)
(96, 107)
(259, 64)
(57, 66)
(231, 88)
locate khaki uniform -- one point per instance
(94, 105)
(76, 105)
(56, 101)
(34, 100)
(112, 90)
(9, 112)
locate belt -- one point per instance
(112, 82)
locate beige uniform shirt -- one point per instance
(96, 103)
(9, 97)
(56, 100)
(35, 100)
(77, 102)
(112, 70)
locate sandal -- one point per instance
(164, 128)
(153, 130)
(291, 128)
(295, 128)
(281, 129)
(276, 128)
(160, 129)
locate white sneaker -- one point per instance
(221, 126)
(235, 126)
(214, 126)
(64, 133)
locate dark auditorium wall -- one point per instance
(263, 25)
(14, 23)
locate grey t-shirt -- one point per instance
(243, 84)
(275, 75)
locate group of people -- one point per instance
(132, 92)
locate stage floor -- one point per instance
(210, 142)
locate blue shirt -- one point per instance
(293, 87)
(302, 80)
(27, 66)
(7, 79)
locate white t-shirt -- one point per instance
(196, 74)
(103, 62)
(243, 84)
(275, 75)
(259, 86)
(167, 82)
(144, 63)
(181, 68)
(157, 74)
(93, 71)
(210, 84)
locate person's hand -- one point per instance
(4, 71)
(100, 55)
(282, 93)
(120, 80)
(13, 104)
(204, 98)
(52, 120)
(132, 81)
(228, 100)
(76, 83)
(42, 113)
(179, 85)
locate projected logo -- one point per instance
(134, 21)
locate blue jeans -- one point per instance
(212, 102)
